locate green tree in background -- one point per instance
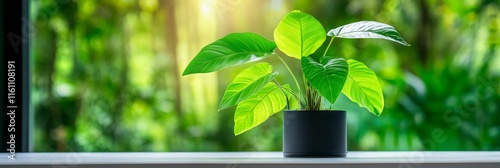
(106, 74)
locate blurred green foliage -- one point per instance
(106, 74)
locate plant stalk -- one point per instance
(328, 47)
(291, 73)
(283, 91)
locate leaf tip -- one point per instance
(187, 72)
(404, 43)
(377, 113)
(223, 105)
(237, 132)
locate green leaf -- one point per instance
(233, 49)
(363, 88)
(258, 107)
(327, 77)
(299, 34)
(368, 29)
(246, 83)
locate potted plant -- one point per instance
(310, 130)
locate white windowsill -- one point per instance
(253, 159)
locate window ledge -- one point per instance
(252, 159)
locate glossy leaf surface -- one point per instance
(363, 88)
(368, 29)
(233, 49)
(327, 76)
(258, 108)
(299, 34)
(246, 83)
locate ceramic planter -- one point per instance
(314, 133)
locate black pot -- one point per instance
(315, 133)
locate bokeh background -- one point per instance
(106, 74)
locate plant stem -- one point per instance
(328, 47)
(282, 91)
(291, 92)
(291, 73)
(306, 93)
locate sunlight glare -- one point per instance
(205, 8)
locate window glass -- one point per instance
(106, 74)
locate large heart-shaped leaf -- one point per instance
(327, 76)
(368, 29)
(363, 88)
(246, 83)
(258, 107)
(233, 49)
(299, 34)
